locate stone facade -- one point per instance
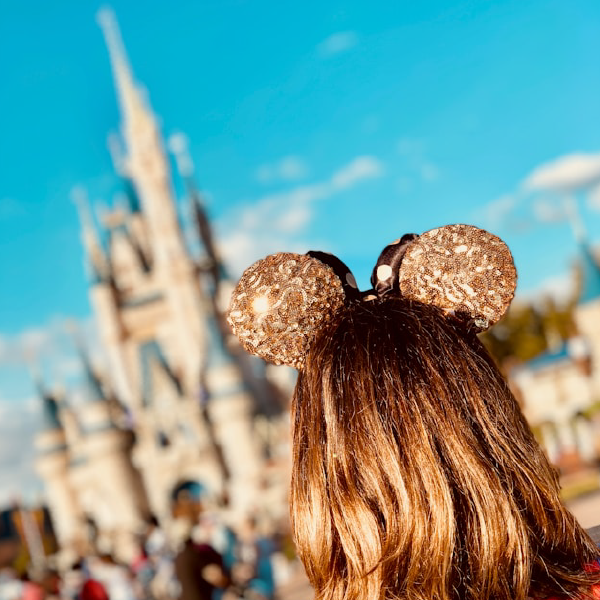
(177, 403)
(560, 390)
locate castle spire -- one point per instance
(97, 263)
(92, 381)
(575, 220)
(590, 275)
(50, 408)
(130, 99)
(178, 145)
(143, 158)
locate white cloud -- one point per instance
(495, 213)
(20, 421)
(337, 43)
(547, 210)
(593, 200)
(404, 185)
(278, 221)
(565, 174)
(429, 172)
(362, 167)
(292, 167)
(410, 146)
(414, 159)
(289, 168)
(561, 288)
(27, 345)
(51, 348)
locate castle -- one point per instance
(176, 412)
(560, 389)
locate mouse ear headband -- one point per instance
(283, 300)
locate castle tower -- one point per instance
(152, 311)
(587, 312)
(52, 463)
(145, 163)
(108, 486)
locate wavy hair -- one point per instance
(415, 475)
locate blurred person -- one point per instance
(31, 589)
(116, 578)
(156, 540)
(159, 551)
(92, 589)
(143, 571)
(52, 584)
(73, 580)
(93, 586)
(415, 475)
(212, 530)
(10, 584)
(255, 570)
(199, 569)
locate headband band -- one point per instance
(283, 300)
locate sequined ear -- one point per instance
(281, 302)
(463, 270)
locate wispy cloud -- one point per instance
(561, 288)
(19, 423)
(362, 167)
(52, 347)
(594, 198)
(337, 43)
(417, 166)
(546, 194)
(279, 221)
(49, 349)
(549, 210)
(288, 168)
(565, 174)
(495, 213)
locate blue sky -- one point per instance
(334, 125)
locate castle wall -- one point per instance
(587, 317)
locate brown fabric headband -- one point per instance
(283, 300)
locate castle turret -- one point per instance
(212, 263)
(230, 413)
(96, 261)
(146, 165)
(587, 312)
(110, 489)
(52, 463)
(103, 296)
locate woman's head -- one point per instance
(414, 473)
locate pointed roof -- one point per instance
(96, 262)
(123, 230)
(92, 382)
(50, 408)
(217, 355)
(151, 353)
(590, 275)
(130, 98)
(133, 200)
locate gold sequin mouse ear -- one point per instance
(282, 301)
(461, 269)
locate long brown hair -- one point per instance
(415, 475)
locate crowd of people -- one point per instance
(207, 561)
